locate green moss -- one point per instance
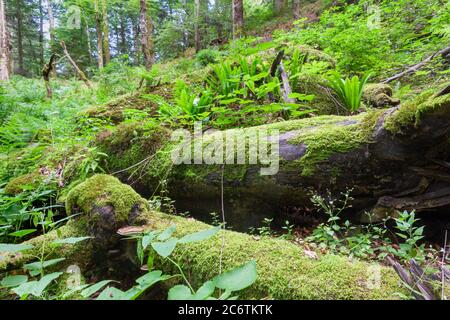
(379, 95)
(410, 113)
(103, 190)
(23, 182)
(79, 253)
(284, 270)
(329, 138)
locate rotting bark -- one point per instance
(393, 159)
(285, 271)
(46, 72)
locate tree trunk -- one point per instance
(197, 27)
(51, 21)
(296, 9)
(41, 35)
(146, 29)
(21, 68)
(123, 38)
(238, 18)
(5, 50)
(394, 159)
(105, 26)
(98, 26)
(88, 39)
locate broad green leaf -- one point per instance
(13, 248)
(72, 240)
(36, 267)
(166, 234)
(36, 288)
(22, 233)
(89, 291)
(179, 292)
(238, 278)
(199, 236)
(164, 249)
(111, 293)
(13, 281)
(205, 291)
(147, 238)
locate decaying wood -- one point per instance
(80, 73)
(46, 73)
(277, 65)
(419, 65)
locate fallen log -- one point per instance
(285, 271)
(376, 153)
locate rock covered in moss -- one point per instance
(379, 95)
(107, 205)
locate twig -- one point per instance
(419, 65)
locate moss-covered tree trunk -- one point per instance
(393, 159)
(285, 270)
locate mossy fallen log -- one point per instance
(393, 159)
(285, 271)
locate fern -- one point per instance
(349, 91)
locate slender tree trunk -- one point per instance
(5, 55)
(238, 18)
(296, 9)
(51, 21)
(21, 68)
(135, 30)
(146, 35)
(197, 27)
(41, 35)
(98, 26)
(105, 26)
(123, 38)
(88, 39)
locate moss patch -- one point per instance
(23, 182)
(284, 270)
(409, 114)
(101, 191)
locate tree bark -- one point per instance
(105, 28)
(238, 18)
(21, 68)
(5, 50)
(46, 73)
(51, 21)
(146, 29)
(296, 9)
(197, 27)
(98, 26)
(41, 35)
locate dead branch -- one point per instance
(419, 65)
(75, 66)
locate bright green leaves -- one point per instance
(35, 288)
(14, 248)
(164, 249)
(199, 236)
(234, 280)
(349, 91)
(237, 279)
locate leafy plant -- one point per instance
(349, 91)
